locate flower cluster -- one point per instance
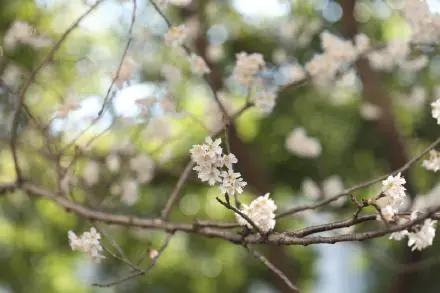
(394, 196)
(433, 162)
(394, 54)
(176, 36)
(247, 68)
(300, 144)
(419, 236)
(425, 25)
(213, 166)
(261, 212)
(198, 65)
(88, 242)
(337, 52)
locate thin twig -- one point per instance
(176, 191)
(124, 54)
(21, 95)
(272, 268)
(241, 214)
(140, 272)
(350, 190)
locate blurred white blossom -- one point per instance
(91, 173)
(436, 110)
(301, 145)
(247, 67)
(198, 65)
(113, 162)
(310, 189)
(370, 111)
(433, 162)
(176, 36)
(129, 191)
(143, 166)
(424, 24)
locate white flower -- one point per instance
(246, 68)
(113, 163)
(129, 192)
(208, 173)
(398, 235)
(75, 242)
(310, 189)
(22, 33)
(394, 54)
(436, 110)
(323, 67)
(262, 213)
(176, 36)
(300, 144)
(393, 188)
(212, 148)
(370, 111)
(198, 65)
(215, 52)
(388, 212)
(88, 242)
(143, 165)
(154, 253)
(433, 162)
(333, 186)
(394, 196)
(265, 100)
(337, 48)
(362, 43)
(198, 153)
(293, 73)
(424, 24)
(91, 173)
(423, 237)
(415, 64)
(232, 183)
(228, 160)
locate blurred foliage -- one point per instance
(34, 251)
